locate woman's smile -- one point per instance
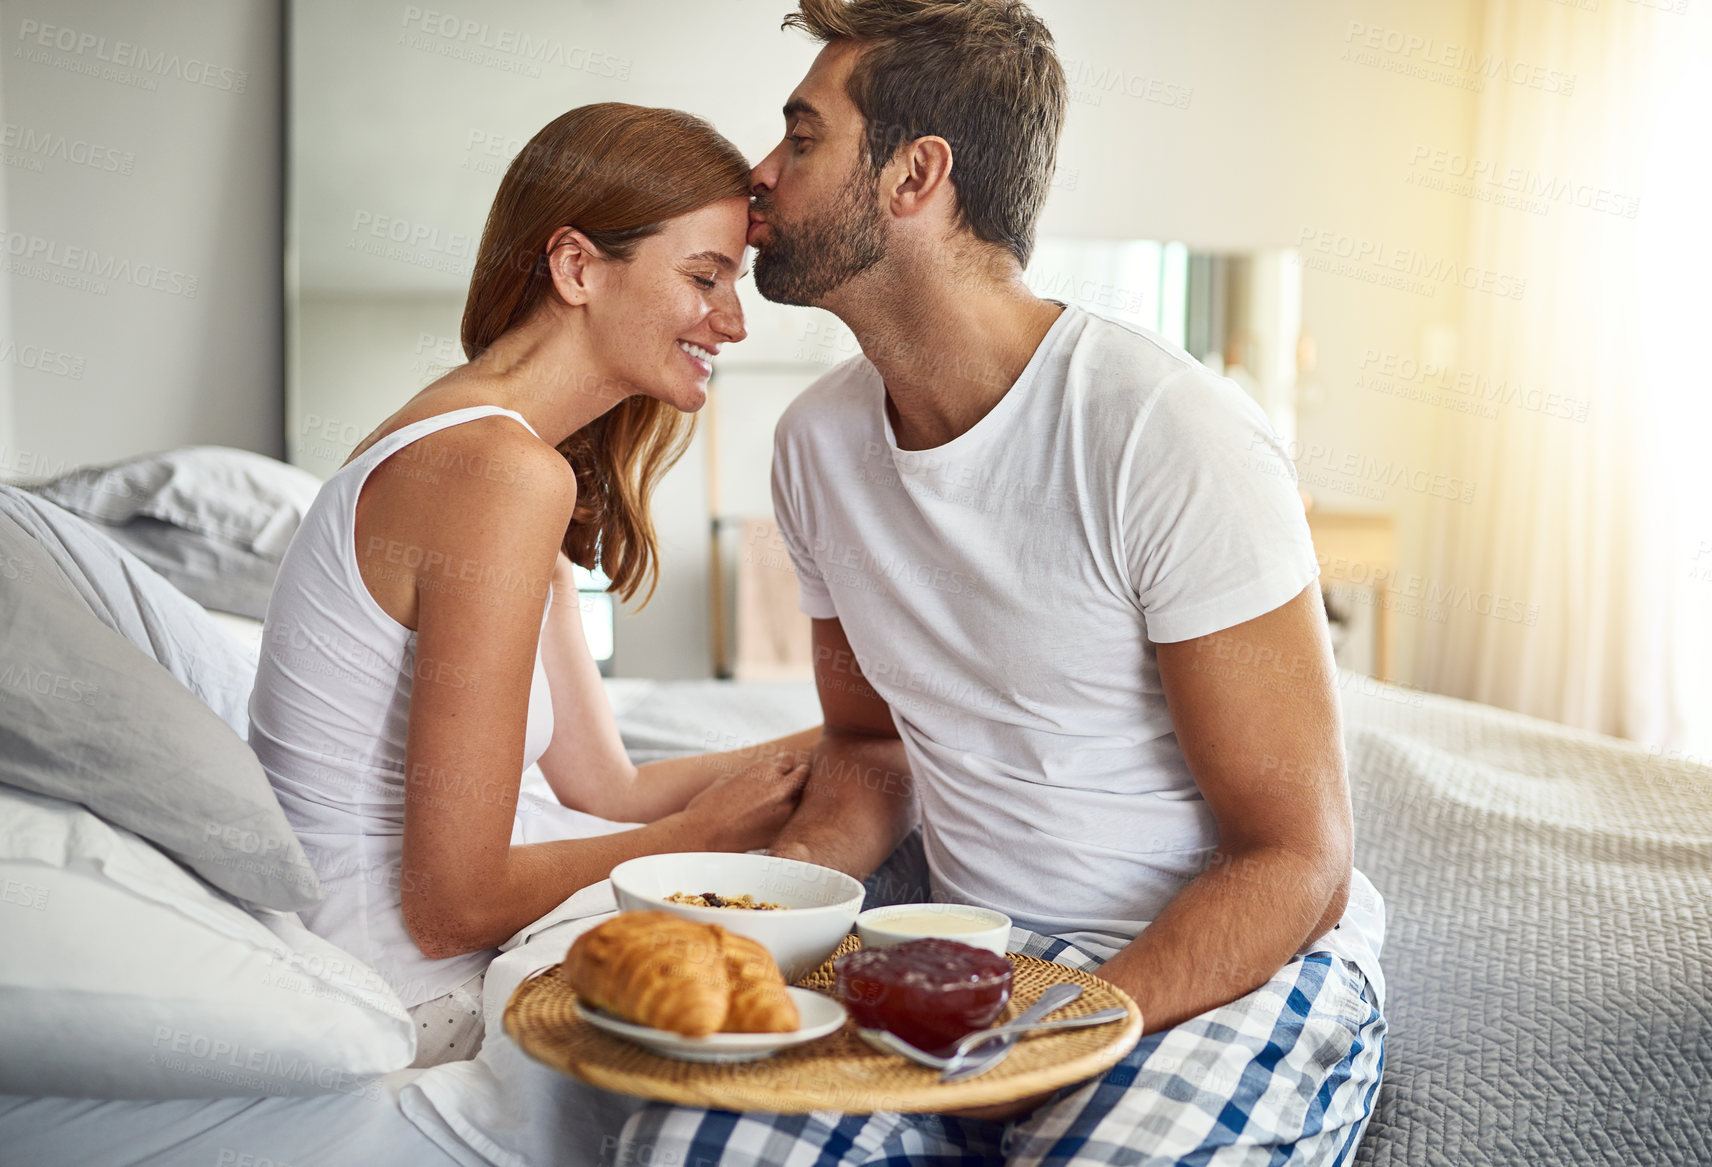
(698, 356)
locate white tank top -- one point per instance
(328, 718)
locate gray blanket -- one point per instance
(1549, 895)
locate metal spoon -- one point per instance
(970, 1064)
(1006, 1034)
(892, 1043)
(1053, 999)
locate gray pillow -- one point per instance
(214, 520)
(226, 577)
(88, 717)
(134, 601)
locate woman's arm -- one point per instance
(586, 763)
(669, 784)
(464, 887)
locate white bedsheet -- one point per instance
(365, 1128)
(503, 1107)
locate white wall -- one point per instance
(142, 228)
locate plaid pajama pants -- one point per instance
(1287, 1074)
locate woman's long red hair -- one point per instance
(616, 173)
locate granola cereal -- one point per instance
(708, 899)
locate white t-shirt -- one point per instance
(1003, 593)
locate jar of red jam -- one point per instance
(929, 992)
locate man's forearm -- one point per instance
(857, 807)
(1228, 931)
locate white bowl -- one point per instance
(820, 903)
(896, 923)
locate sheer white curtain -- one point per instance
(1593, 515)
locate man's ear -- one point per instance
(570, 256)
(920, 175)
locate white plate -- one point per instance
(820, 1015)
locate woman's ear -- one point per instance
(570, 257)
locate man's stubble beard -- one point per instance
(816, 258)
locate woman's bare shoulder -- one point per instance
(486, 491)
(484, 456)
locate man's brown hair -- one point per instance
(982, 74)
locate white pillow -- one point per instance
(212, 519)
(122, 975)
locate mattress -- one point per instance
(363, 1128)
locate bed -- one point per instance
(1547, 953)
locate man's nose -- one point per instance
(764, 176)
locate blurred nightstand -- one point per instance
(1357, 547)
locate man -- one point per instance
(1066, 610)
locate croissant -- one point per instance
(666, 972)
(759, 1002)
(655, 969)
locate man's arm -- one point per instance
(859, 802)
(1256, 715)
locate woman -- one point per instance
(423, 643)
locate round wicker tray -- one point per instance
(838, 1072)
